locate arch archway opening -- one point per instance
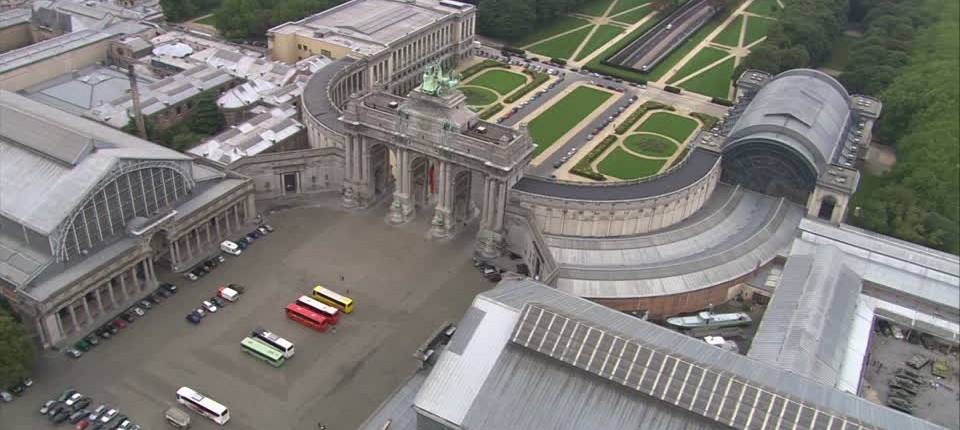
(771, 169)
(827, 205)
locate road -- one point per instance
(404, 285)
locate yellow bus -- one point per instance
(345, 304)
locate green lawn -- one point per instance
(501, 81)
(650, 145)
(757, 29)
(560, 25)
(564, 115)
(561, 47)
(633, 16)
(208, 20)
(594, 8)
(764, 7)
(668, 124)
(704, 58)
(841, 50)
(621, 164)
(623, 5)
(477, 96)
(730, 35)
(714, 82)
(603, 35)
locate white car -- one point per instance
(209, 306)
(74, 399)
(109, 415)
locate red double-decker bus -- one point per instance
(306, 317)
(331, 313)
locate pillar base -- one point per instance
(349, 198)
(489, 243)
(439, 227)
(400, 211)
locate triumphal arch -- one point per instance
(435, 156)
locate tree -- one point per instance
(205, 118)
(16, 350)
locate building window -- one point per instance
(325, 53)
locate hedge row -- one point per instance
(635, 116)
(583, 166)
(708, 120)
(491, 111)
(681, 157)
(721, 102)
(671, 89)
(538, 79)
(479, 67)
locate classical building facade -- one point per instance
(449, 163)
(88, 214)
(394, 39)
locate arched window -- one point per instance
(827, 206)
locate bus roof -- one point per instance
(293, 307)
(262, 347)
(320, 305)
(331, 294)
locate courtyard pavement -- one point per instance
(404, 286)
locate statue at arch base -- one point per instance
(489, 244)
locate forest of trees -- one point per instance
(16, 348)
(182, 10)
(250, 19)
(802, 37)
(919, 200)
(512, 20)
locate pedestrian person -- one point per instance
(341, 278)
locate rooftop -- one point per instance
(51, 159)
(527, 356)
(369, 26)
(76, 15)
(162, 94)
(14, 17)
(86, 89)
(260, 133)
(49, 48)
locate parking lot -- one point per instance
(404, 287)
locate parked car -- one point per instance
(111, 328)
(66, 394)
(252, 236)
(73, 399)
(116, 422)
(82, 403)
(194, 318)
(57, 408)
(17, 389)
(108, 416)
(200, 311)
(263, 231)
(78, 415)
(209, 306)
(73, 353)
(5, 396)
(120, 323)
(227, 293)
(91, 339)
(154, 298)
(82, 345)
(103, 333)
(26, 381)
(191, 275)
(96, 413)
(169, 287)
(230, 248)
(82, 424)
(60, 416)
(46, 406)
(129, 316)
(218, 302)
(145, 304)
(125, 425)
(238, 288)
(166, 294)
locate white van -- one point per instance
(177, 418)
(228, 293)
(230, 247)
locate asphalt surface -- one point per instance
(404, 286)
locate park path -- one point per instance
(611, 42)
(597, 22)
(705, 42)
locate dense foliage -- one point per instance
(250, 19)
(919, 200)
(885, 46)
(16, 350)
(802, 36)
(205, 120)
(512, 20)
(182, 10)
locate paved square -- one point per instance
(404, 286)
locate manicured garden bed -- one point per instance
(477, 96)
(501, 81)
(650, 145)
(668, 124)
(623, 165)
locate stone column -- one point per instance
(123, 286)
(99, 299)
(349, 193)
(441, 224)
(401, 210)
(86, 309)
(133, 276)
(73, 317)
(113, 298)
(59, 323)
(490, 237)
(196, 233)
